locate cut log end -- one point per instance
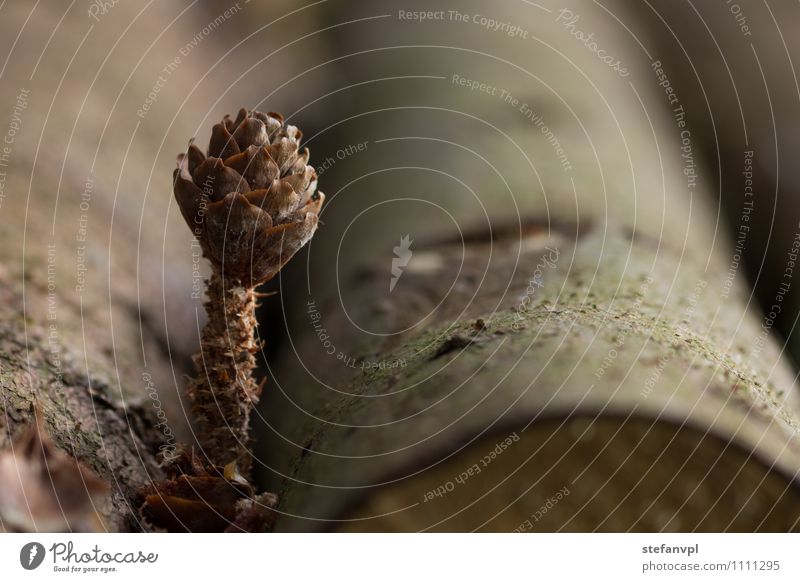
(603, 474)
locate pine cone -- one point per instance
(252, 203)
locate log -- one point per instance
(564, 349)
(733, 67)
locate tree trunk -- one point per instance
(579, 359)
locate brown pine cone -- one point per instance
(252, 203)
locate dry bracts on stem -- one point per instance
(201, 498)
(253, 201)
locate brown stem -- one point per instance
(224, 392)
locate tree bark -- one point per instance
(587, 321)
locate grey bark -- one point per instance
(638, 318)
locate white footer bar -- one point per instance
(401, 557)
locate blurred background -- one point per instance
(397, 101)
